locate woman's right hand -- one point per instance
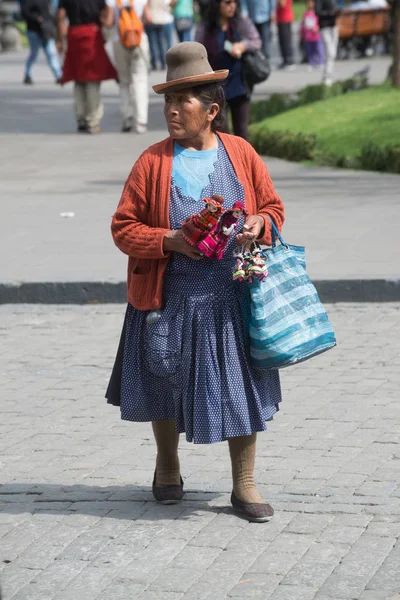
(237, 50)
(175, 242)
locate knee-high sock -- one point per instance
(243, 454)
(167, 465)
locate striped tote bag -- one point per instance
(288, 323)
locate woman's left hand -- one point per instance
(251, 230)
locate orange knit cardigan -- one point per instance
(142, 217)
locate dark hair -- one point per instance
(211, 93)
(211, 19)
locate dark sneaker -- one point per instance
(168, 494)
(256, 512)
(127, 126)
(82, 127)
(28, 80)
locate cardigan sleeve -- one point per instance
(250, 36)
(129, 228)
(269, 205)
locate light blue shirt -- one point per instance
(259, 11)
(191, 169)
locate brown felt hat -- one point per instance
(188, 66)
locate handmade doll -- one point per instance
(257, 267)
(239, 271)
(214, 244)
(196, 227)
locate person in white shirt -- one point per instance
(132, 65)
(159, 22)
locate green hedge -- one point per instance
(380, 158)
(298, 147)
(283, 144)
(278, 103)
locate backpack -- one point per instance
(130, 27)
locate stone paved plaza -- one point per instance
(77, 517)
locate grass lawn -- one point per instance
(299, 6)
(343, 124)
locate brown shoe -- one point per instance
(256, 512)
(168, 494)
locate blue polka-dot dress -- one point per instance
(191, 362)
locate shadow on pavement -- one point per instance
(115, 501)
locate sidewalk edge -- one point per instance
(107, 292)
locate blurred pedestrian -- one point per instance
(183, 15)
(326, 11)
(183, 361)
(227, 34)
(159, 25)
(284, 20)
(41, 31)
(86, 62)
(262, 13)
(132, 60)
(310, 33)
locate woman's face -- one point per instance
(212, 208)
(186, 116)
(227, 9)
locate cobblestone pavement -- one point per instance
(77, 518)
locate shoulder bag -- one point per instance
(256, 67)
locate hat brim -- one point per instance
(192, 81)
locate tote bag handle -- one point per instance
(276, 234)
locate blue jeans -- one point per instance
(158, 46)
(264, 30)
(168, 33)
(50, 50)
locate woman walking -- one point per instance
(183, 15)
(183, 359)
(41, 31)
(86, 62)
(227, 34)
(159, 24)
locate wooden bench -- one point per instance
(363, 23)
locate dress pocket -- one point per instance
(163, 344)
